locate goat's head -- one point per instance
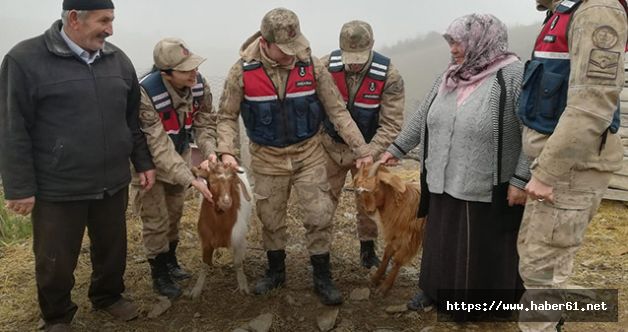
(220, 179)
(368, 185)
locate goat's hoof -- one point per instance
(242, 290)
(194, 294)
(382, 290)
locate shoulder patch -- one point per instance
(251, 65)
(603, 64)
(605, 37)
(567, 6)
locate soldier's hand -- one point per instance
(22, 206)
(539, 190)
(229, 161)
(364, 161)
(516, 196)
(388, 159)
(202, 188)
(205, 164)
(212, 158)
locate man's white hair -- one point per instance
(81, 14)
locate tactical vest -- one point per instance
(181, 135)
(546, 78)
(272, 121)
(364, 106)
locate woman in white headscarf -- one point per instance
(473, 169)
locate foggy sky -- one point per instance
(216, 29)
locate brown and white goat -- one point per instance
(393, 204)
(224, 223)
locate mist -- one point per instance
(216, 29)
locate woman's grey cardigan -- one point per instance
(515, 165)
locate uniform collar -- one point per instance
(177, 98)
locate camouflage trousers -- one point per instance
(272, 193)
(549, 237)
(160, 209)
(336, 173)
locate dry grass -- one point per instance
(13, 228)
(601, 263)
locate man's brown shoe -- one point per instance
(61, 327)
(123, 310)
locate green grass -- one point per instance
(13, 227)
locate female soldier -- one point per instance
(175, 100)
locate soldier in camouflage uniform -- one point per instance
(373, 90)
(175, 100)
(582, 43)
(281, 92)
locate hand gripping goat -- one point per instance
(394, 205)
(224, 224)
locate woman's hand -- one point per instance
(388, 159)
(202, 188)
(516, 196)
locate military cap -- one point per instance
(173, 54)
(281, 26)
(356, 42)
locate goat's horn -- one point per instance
(374, 168)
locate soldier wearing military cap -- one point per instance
(373, 91)
(569, 107)
(68, 128)
(282, 93)
(175, 101)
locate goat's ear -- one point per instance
(244, 189)
(392, 180)
(199, 172)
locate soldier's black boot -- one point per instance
(323, 285)
(174, 269)
(275, 275)
(162, 283)
(368, 255)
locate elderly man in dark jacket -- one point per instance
(68, 127)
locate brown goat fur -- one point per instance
(223, 223)
(394, 204)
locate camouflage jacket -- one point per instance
(273, 160)
(172, 167)
(390, 114)
(578, 140)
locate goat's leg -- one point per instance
(196, 291)
(239, 251)
(208, 254)
(377, 277)
(390, 278)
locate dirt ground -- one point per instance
(602, 263)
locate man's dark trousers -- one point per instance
(58, 229)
